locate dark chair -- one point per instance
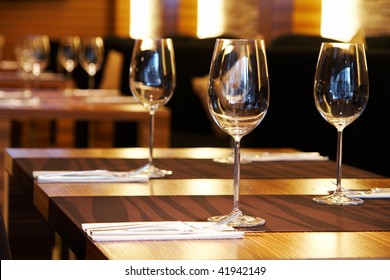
(299, 42)
(378, 42)
(5, 250)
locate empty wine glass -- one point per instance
(238, 99)
(39, 46)
(341, 95)
(67, 56)
(91, 59)
(152, 82)
(33, 56)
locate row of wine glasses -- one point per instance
(89, 52)
(238, 97)
(32, 53)
(238, 92)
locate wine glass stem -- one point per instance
(28, 85)
(339, 158)
(69, 80)
(151, 135)
(91, 82)
(236, 174)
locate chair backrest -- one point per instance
(5, 250)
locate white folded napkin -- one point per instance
(88, 176)
(108, 96)
(113, 99)
(372, 193)
(17, 98)
(174, 230)
(270, 156)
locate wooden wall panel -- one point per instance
(306, 17)
(275, 18)
(100, 17)
(122, 17)
(54, 18)
(187, 17)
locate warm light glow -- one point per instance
(340, 20)
(144, 17)
(210, 18)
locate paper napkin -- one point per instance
(175, 230)
(373, 193)
(282, 156)
(87, 176)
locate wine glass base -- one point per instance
(151, 171)
(338, 199)
(241, 221)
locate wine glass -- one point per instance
(33, 56)
(341, 95)
(238, 99)
(67, 56)
(152, 82)
(91, 59)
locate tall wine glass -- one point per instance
(152, 82)
(33, 56)
(39, 46)
(238, 98)
(67, 56)
(91, 58)
(340, 95)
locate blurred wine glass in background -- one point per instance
(67, 55)
(33, 55)
(91, 59)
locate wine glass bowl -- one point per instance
(341, 94)
(238, 99)
(152, 78)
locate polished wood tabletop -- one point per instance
(255, 245)
(15, 79)
(106, 106)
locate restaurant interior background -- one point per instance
(58, 18)
(288, 122)
(200, 19)
(102, 17)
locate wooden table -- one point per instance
(108, 107)
(47, 80)
(259, 245)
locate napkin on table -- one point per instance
(373, 193)
(175, 230)
(87, 176)
(276, 156)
